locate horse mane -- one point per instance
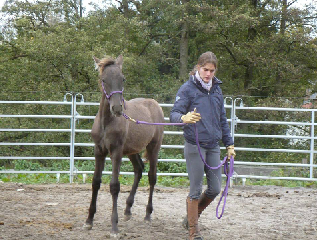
(104, 62)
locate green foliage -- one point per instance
(282, 183)
(47, 45)
(26, 165)
(39, 178)
(166, 181)
(173, 181)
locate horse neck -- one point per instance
(104, 109)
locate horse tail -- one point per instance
(140, 162)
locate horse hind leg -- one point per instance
(99, 166)
(138, 167)
(152, 151)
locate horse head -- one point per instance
(111, 80)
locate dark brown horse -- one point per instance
(115, 136)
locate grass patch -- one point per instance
(167, 181)
(42, 178)
(281, 183)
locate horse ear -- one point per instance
(97, 61)
(119, 61)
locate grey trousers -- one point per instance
(196, 169)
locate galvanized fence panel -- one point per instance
(234, 106)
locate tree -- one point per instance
(262, 46)
(253, 53)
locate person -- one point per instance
(200, 101)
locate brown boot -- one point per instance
(192, 215)
(203, 202)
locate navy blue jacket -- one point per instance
(213, 125)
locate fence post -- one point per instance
(72, 136)
(234, 117)
(73, 127)
(312, 142)
(71, 149)
(231, 115)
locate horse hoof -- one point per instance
(87, 226)
(127, 217)
(147, 218)
(114, 235)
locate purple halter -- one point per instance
(109, 96)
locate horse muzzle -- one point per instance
(116, 110)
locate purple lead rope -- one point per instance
(147, 123)
(228, 170)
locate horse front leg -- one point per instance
(96, 181)
(114, 190)
(138, 167)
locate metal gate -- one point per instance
(232, 105)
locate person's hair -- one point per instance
(205, 58)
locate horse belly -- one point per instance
(138, 139)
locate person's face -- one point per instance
(207, 72)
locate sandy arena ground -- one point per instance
(58, 211)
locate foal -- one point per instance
(115, 136)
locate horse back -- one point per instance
(145, 108)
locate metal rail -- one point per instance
(233, 122)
